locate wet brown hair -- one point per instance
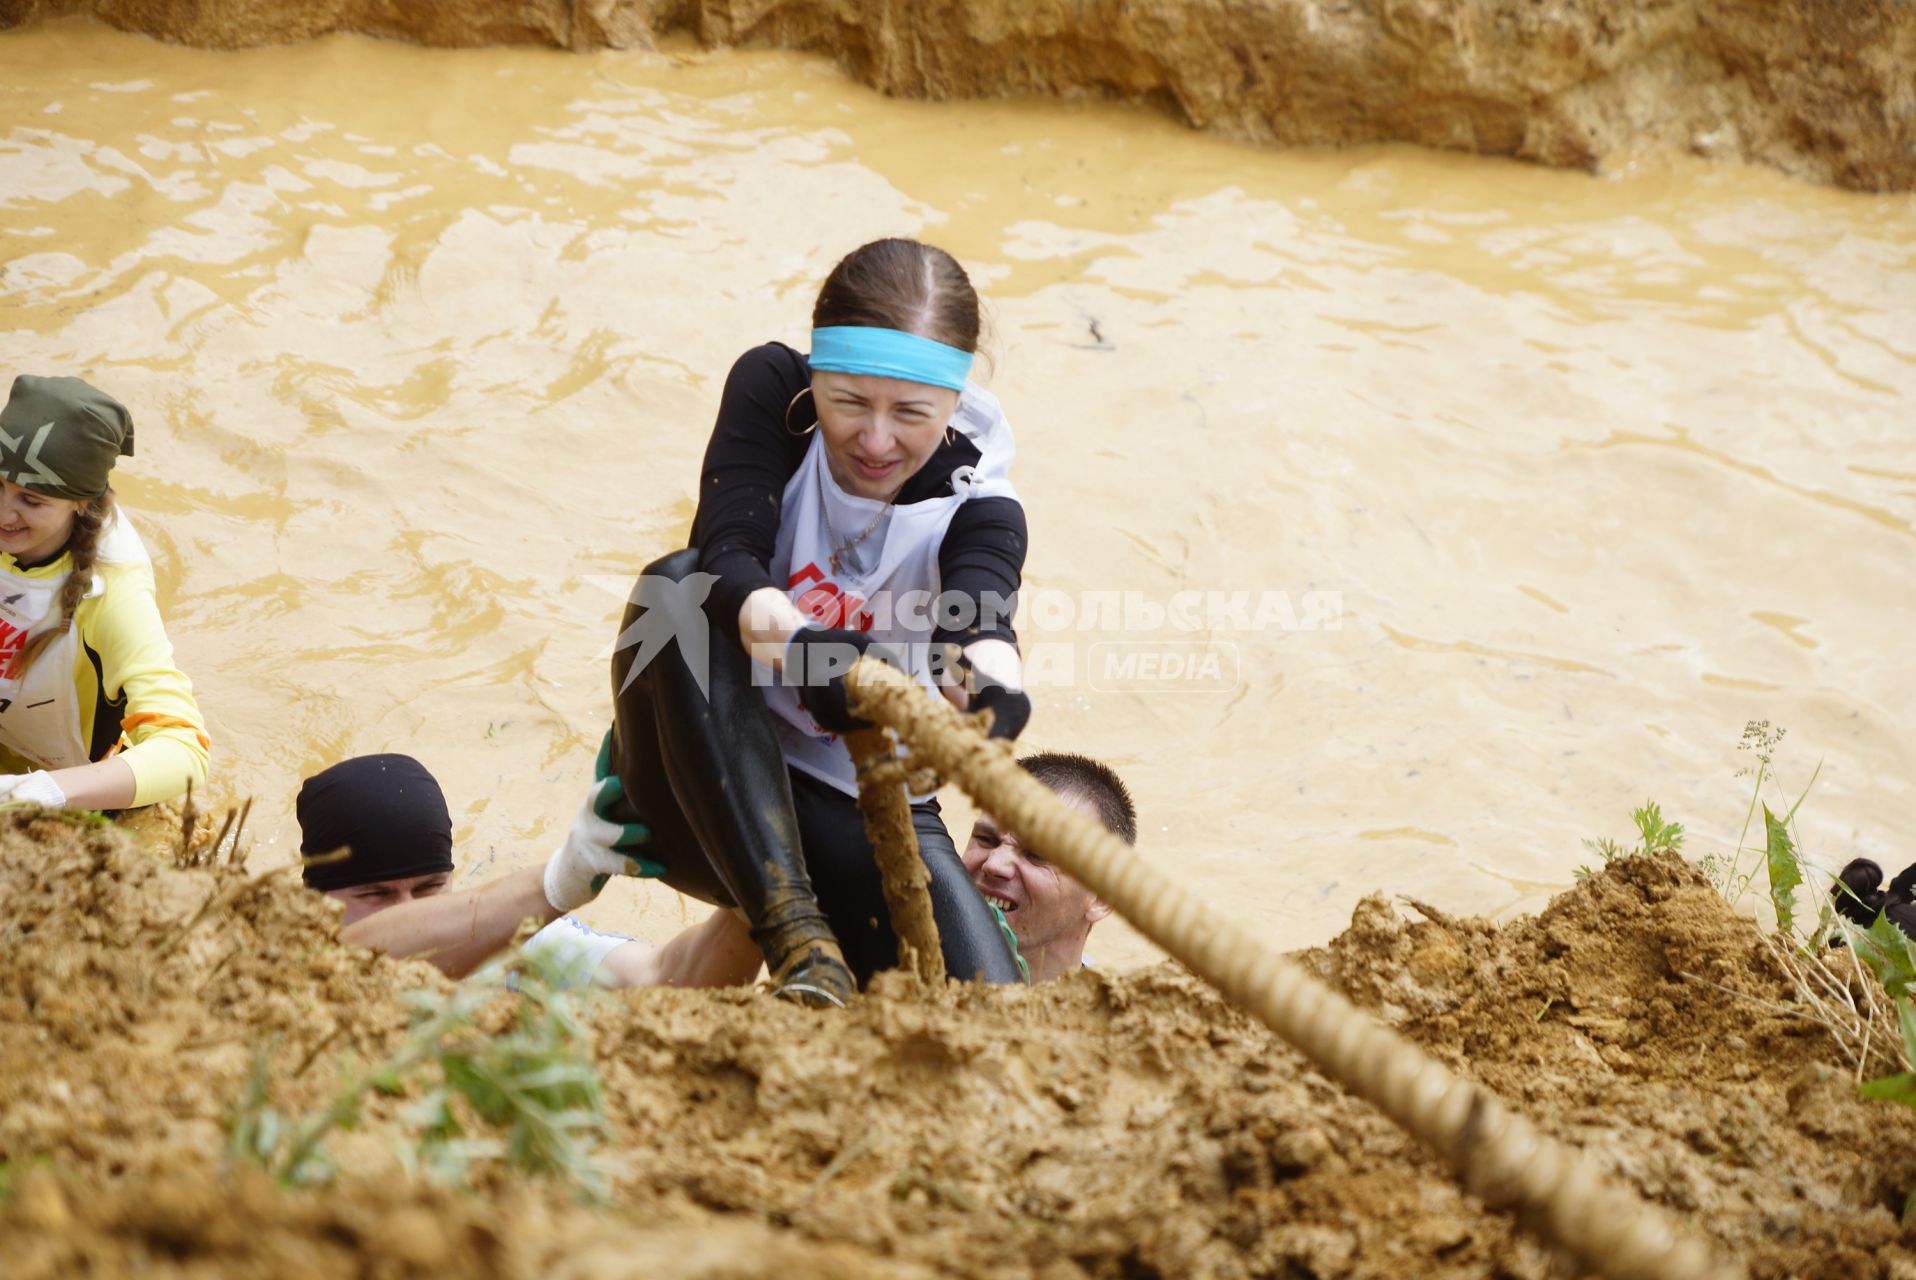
(84, 543)
(1074, 775)
(905, 285)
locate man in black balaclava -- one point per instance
(387, 816)
(376, 836)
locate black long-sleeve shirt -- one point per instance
(753, 455)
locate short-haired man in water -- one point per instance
(1050, 913)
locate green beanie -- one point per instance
(60, 437)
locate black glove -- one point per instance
(1903, 887)
(1858, 893)
(1010, 708)
(816, 659)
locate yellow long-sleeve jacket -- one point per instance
(131, 698)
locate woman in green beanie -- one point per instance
(93, 712)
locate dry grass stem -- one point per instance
(237, 858)
(1863, 1057)
(216, 902)
(1855, 1043)
(189, 825)
(319, 1046)
(218, 840)
(214, 972)
(1820, 972)
(1771, 1005)
(1825, 998)
(1830, 1007)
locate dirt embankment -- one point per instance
(1106, 1126)
(1822, 89)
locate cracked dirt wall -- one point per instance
(1824, 90)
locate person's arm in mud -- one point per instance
(718, 952)
(457, 932)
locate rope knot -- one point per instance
(916, 778)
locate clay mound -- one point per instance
(1105, 1125)
(1607, 1018)
(133, 993)
(192, 1221)
(1819, 89)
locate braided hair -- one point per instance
(84, 544)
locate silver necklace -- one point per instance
(831, 534)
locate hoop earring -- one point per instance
(950, 437)
(802, 391)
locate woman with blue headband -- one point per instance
(856, 496)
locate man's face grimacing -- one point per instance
(363, 900)
(1045, 908)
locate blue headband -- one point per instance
(889, 353)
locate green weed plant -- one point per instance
(528, 1098)
(1654, 835)
(1800, 943)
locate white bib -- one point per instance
(40, 716)
(886, 584)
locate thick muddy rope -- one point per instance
(1555, 1191)
(887, 811)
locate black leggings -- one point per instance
(735, 827)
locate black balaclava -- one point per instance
(387, 809)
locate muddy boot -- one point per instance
(815, 975)
(803, 957)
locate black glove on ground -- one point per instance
(1858, 894)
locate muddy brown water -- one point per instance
(423, 347)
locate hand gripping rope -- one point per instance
(1555, 1192)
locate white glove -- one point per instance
(37, 787)
(596, 849)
